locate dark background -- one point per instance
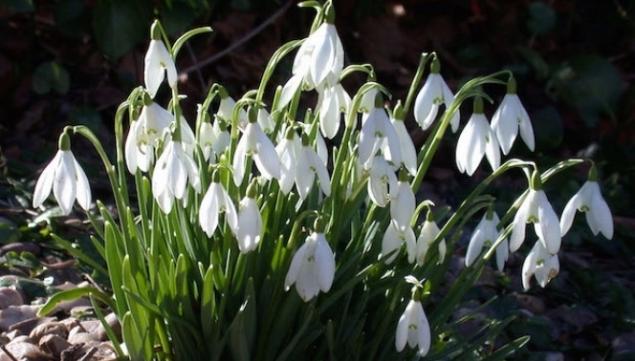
(74, 61)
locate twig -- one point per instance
(240, 41)
(9, 354)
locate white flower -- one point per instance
(226, 109)
(212, 140)
(288, 150)
(157, 61)
(508, 119)
(394, 238)
(174, 168)
(407, 148)
(536, 209)
(312, 268)
(255, 143)
(332, 102)
(477, 139)
(216, 201)
(249, 225)
(484, 235)
(67, 180)
(307, 167)
(429, 232)
(382, 181)
(139, 149)
(413, 328)
(367, 103)
(541, 264)
(434, 93)
(320, 56)
(378, 133)
(589, 200)
(265, 120)
(402, 205)
(155, 121)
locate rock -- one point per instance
(14, 314)
(23, 351)
(113, 322)
(78, 335)
(25, 327)
(9, 296)
(69, 323)
(53, 344)
(624, 346)
(554, 356)
(48, 328)
(105, 351)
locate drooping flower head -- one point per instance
(378, 133)
(413, 328)
(66, 178)
(158, 61)
(216, 201)
(429, 233)
(589, 201)
(539, 263)
(394, 238)
(249, 225)
(536, 209)
(434, 93)
(477, 140)
(509, 118)
(312, 268)
(484, 235)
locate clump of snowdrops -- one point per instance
(271, 228)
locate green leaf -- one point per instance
(542, 18)
(73, 294)
(50, 76)
(185, 37)
(118, 25)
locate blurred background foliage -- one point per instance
(73, 61)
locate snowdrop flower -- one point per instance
(394, 238)
(413, 328)
(308, 165)
(484, 235)
(477, 140)
(265, 120)
(216, 201)
(139, 149)
(312, 268)
(589, 200)
(249, 221)
(541, 264)
(213, 139)
(429, 232)
(157, 62)
(226, 109)
(174, 169)
(155, 121)
(536, 209)
(378, 133)
(288, 150)
(66, 178)
(434, 93)
(332, 102)
(321, 55)
(402, 203)
(509, 118)
(406, 147)
(382, 181)
(255, 143)
(367, 103)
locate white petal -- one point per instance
(45, 182)
(208, 211)
(401, 335)
(266, 157)
(423, 330)
(227, 205)
(289, 90)
(492, 152)
(548, 226)
(325, 263)
(249, 225)
(238, 164)
(601, 214)
(390, 243)
(408, 152)
(505, 122)
(568, 214)
(403, 206)
(475, 246)
(323, 55)
(520, 222)
(297, 262)
(529, 267)
(64, 185)
(526, 130)
(502, 254)
(153, 73)
(320, 170)
(83, 187)
(427, 101)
